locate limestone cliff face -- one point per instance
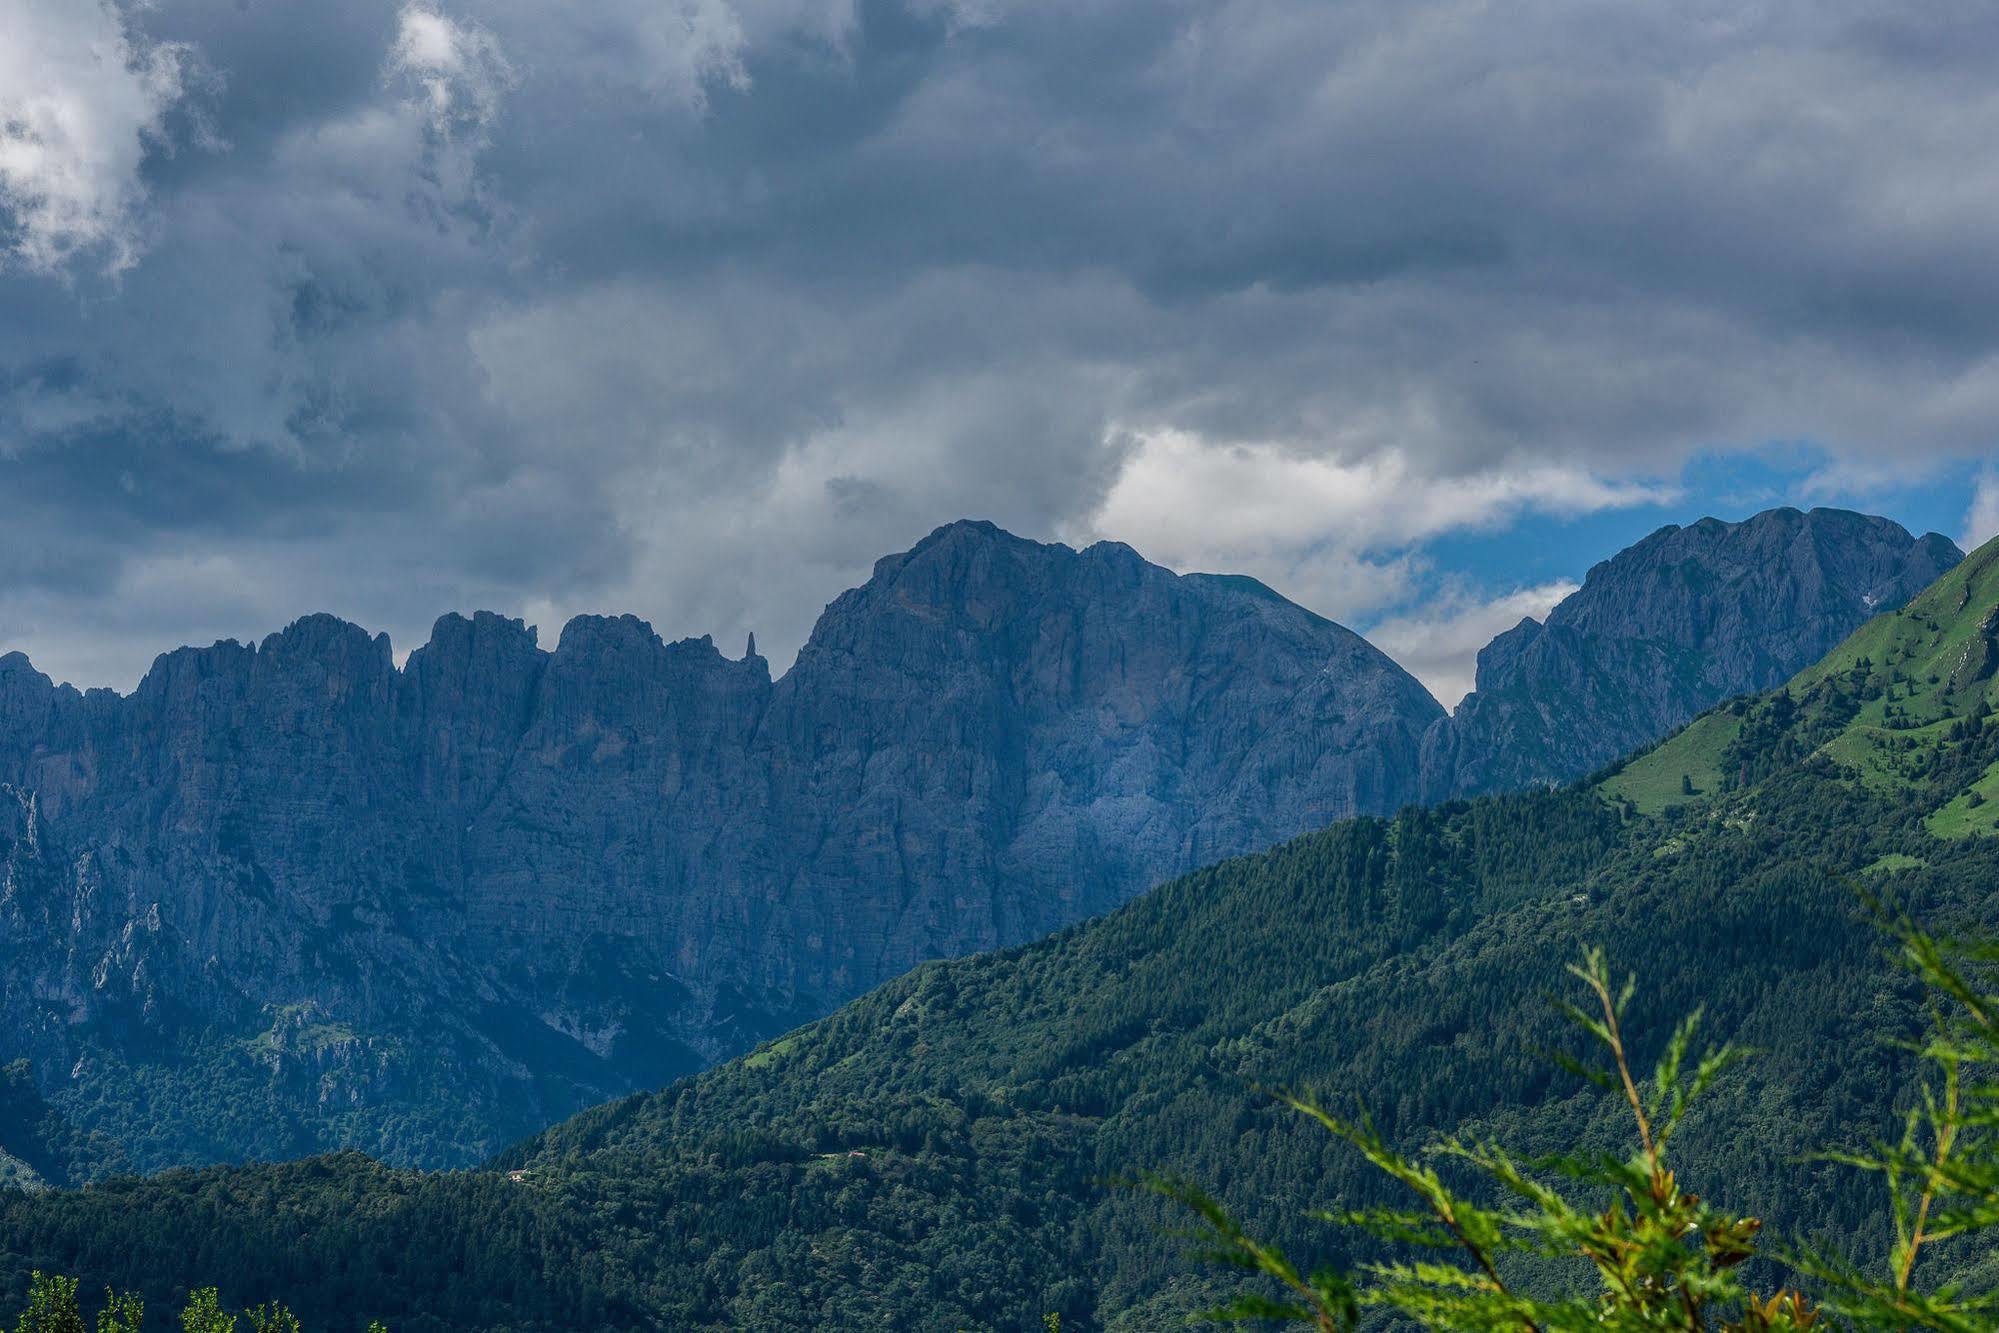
(287, 896)
(1673, 625)
(1014, 736)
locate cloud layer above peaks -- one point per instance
(694, 307)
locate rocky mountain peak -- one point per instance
(1834, 558)
(1668, 627)
(21, 686)
(593, 637)
(485, 631)
(325, 637)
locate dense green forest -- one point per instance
(942, 1153)
(1591, 1241)
(39, 1148)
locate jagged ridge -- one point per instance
(425, 910)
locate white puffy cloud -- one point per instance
(458, 68)
(749, 508)
(1331, 533)
(1981, 523)
(456, 76)
(82, 100)
(1439, 641)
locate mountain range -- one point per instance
(288, 897)
(943, 1152)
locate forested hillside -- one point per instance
(39, 1147)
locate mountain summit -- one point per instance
(1666, 628)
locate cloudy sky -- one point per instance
(1413, 308)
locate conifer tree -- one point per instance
(1662, 1257)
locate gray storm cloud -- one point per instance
(694, 307)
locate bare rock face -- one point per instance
(1671, 626)
(1058, 729)
(287, 896)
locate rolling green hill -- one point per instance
(936, 1154)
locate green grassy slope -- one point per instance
(1885, 708)
(1694, 757)
(935, 1156)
